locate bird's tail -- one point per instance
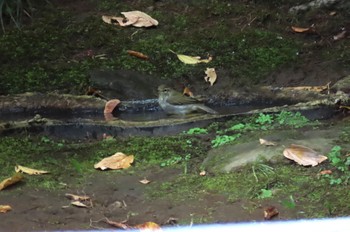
(206, 109)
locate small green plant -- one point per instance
(289, 203)
(341, 164)
(295, 120)
(264, 119)
(196, 131)
(264, 169)
(223, 139)
(175, 160)
(265, 193)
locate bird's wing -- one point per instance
(182, 100)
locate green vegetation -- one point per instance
(262, 121)
(342, 164)
(12, 11)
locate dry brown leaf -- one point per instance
(145, 181)
(77, 197)
(188, 92)
(300, 29)
(10, 181)
(79, 204)
(29, 171)
(110, 106)
(266, 142)
(137, 54)
(5, 208)
(325, 172)
(116, 161)
(111, 19)
(149, 226)
(211, 76)
(134, 18)
(303, 155)
(270, 212)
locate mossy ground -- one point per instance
(56, 50)
(173, 164)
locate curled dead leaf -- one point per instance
(300, 29)
(340, 36)
(203, 173)
(325, 172)
(303, 155)
(5, 208)
(211, 76)
(29, 171)
(134, 18)
(187, 92)
(117, 161)
(110, 106)
(137, 54)
(77, 197)
(270, 212)
(79, 204)
(10, 181)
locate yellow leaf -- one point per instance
(10, 181)
(148, 226)
(191, 59)
(116, 161)
(5, 208)
(211, 76)
(303, 155)
(29, 171)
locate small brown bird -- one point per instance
(173, 102)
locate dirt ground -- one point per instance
(120, 196)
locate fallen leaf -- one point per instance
(10, 181)
(300, 29)
(134, 18)
(270, 212)
(191, 59)
(29, 171)
(332, 13)
(303, 155)
(187, 92)
(77, 197)
(79, 204)
(111, 19)
(110, 106)
(145, 181)
(266, 142)
(5, 208)
(116, 161)
(137, 54)
(149, 226)
(211, 76)
(344, 107)
(325, 172)
(340, 36)
(121, 225)
(203, 173)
